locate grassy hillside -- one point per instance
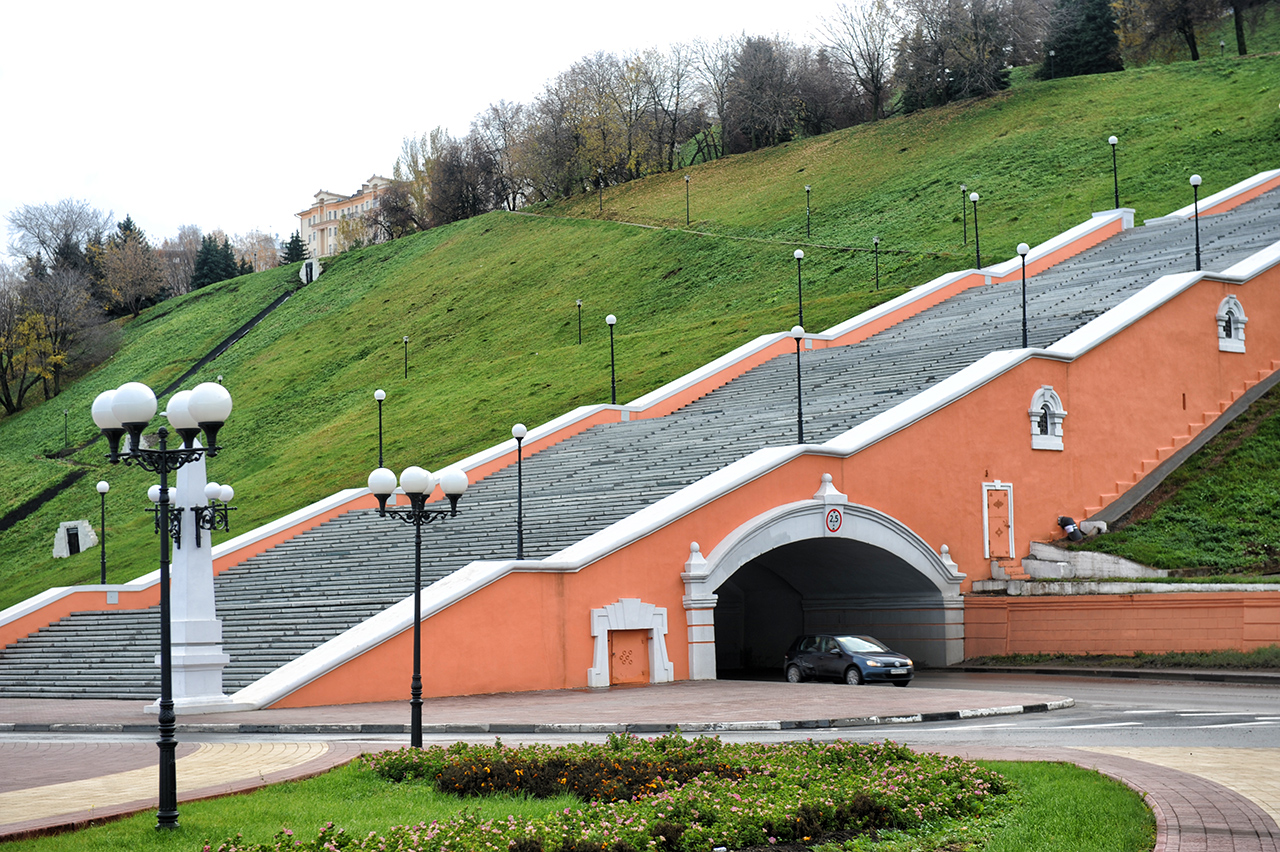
(489, 304)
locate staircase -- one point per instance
(282, 603)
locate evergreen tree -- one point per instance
(295, 250)
(214, 263)
(1082, 35)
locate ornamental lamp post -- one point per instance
(127, 411)
(406, 356)
(518, 432)
(797, 332)
(103, 488)
(1195, 191)
(600, 186)
(686, 201)
(418, 485)
(807, 231)
(977, 250)
(1115, 175)
(611, 321)
(579, 322)
(964, 212)
(380, 395)
(1023, 248)
(799, 256)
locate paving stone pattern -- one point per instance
(285, 602)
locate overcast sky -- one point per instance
(234, 114)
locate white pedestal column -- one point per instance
(198, 659)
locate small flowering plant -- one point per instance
(672, 793)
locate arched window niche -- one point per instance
(1046, 415)
(1231, 322)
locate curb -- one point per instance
(547, 728)
(1183, 675)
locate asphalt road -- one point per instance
(1108, 712)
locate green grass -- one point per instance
(355, 798)
(1216, 514)
(488, 303)
(1267, 658)
(1071, 809)
(1052, 807)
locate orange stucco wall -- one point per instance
(79, 601)
(1121, 624)
(1124, 402)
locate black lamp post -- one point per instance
(128, 410)
(807, 230)
(1023, 248)
(1222, 49)
(1115, 175)
(686, 201)
(579, 322)
(964, 212)
(977, 248)
(611, 320)
(600, 186)
(1195, 192)
(518, 432)
(799, 256)
(797, 332)
(212, 516)
(418, 485)
(103, 488)
(1051, 55)
(380, 395)
(65, 441)
(875, 243)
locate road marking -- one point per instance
(1098, 725)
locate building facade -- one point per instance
(327, 226)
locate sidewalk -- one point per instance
(80, 780)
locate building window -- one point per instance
(1046, 414)
(1231, 321)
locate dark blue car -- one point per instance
(852, 659)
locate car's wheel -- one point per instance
(853, 677)
(794, 675)
(901, 683)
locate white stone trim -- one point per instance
(1046, 414)
(630, 614)
(1206, 205)
(1231, 321)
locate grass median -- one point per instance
(667, 793)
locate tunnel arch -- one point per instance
(820, 565)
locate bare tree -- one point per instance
(257, 250)
(131, 273)
(39, 229)
(762, 99)
(862, 39)
(498, 129)
(177, 258)
(713, 68)
(1147, 27)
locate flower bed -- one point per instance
(674, 794)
